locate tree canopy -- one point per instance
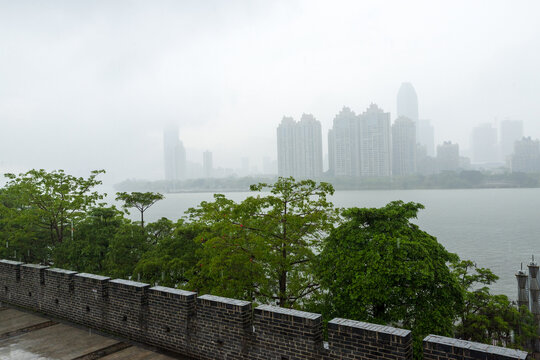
(379, 267)
(139, 200)
(264, 248)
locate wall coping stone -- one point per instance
(290, 312)
(177, 292)
(474, 346)
(129, 283)
(368, 326)
(35, 266)
(93, 276)
(62, 271)
(11, 262)
(224, 300)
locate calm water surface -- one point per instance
(496, 228)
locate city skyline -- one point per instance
(92, 84)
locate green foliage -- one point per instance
(489, 318)
(379, 267)
(173, 253)
(139, 200)
(86, 250)
(285, 245)
(125, 250)
(38, 207)
(264, 248)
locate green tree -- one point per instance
(86, 250)
(125, 250)
(139, 200)
(38, 208)
(264, 248)
(489, 318)
(379, 267)
(173, 254)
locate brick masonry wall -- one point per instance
(212, 327)
(171, 318)
(348, 340)
(58, 294)
(285, 334)
(222, 328)
(444, 348)
(90, 300)
(10, 273)
(127, 308)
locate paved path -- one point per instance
(27, 336)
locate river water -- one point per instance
(497, 228)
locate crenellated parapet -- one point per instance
(213, 327)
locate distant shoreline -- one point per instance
(445, 181)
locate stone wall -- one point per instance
(212, 327)
(440, 347)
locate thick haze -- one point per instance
(91, 84)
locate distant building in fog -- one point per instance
(375, 144)
(526, 156)
(407, 102)
(403, 147)
(286, 147)
(208, 166)
(510, 132)
(343, 145)
(360, 145)
(484, 144)
(300, 147)
(425, 136)
(448, 156)
(308, 147)
(425, 164)
(174, 155)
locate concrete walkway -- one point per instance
(29, 336)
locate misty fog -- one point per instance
(91, 85)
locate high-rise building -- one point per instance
(526, 156)
(407, 102)
(375, 144)
(308, 147)
(300, 147)
(286, 149)
(484, 144)
(510, 132)
(403, 147)
(425, 136)
(343, 145)
(208, 166)
(448, 156)
(174, 155)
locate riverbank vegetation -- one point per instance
(285, 245)
(466, 179)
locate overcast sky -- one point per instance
(91, 84)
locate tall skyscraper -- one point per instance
(208, 166)
(510, 132)
(484, 144)
(407, 102)
(448, 156)
(308, 147)
(425, 136)
(300, 147)
(174, 155)
(375, 144)
(526, 156)
(286, 146)
(403, 147)
(343, 142)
